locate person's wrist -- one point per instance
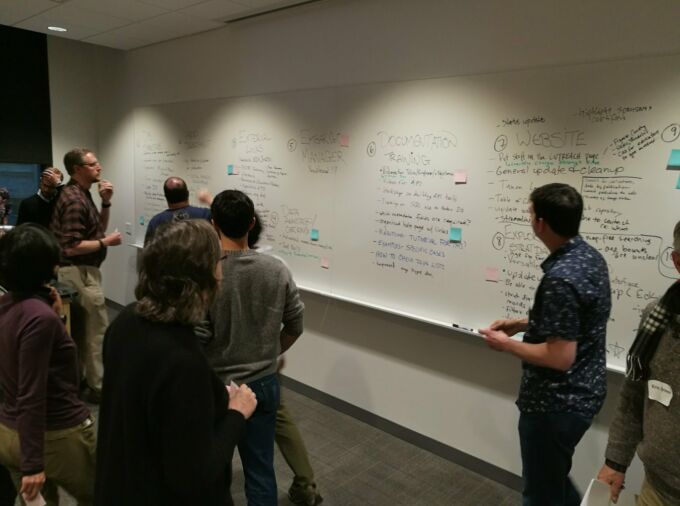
(102, 245)
(619, 468)
(106, 204)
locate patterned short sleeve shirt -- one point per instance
(573, 302)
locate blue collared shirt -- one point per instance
(573, 302)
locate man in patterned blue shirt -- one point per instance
(563, 351)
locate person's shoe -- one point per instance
(307, 495)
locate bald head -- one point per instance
(176, 191)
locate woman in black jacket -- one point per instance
(168, 426)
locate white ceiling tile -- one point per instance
(172, 5)
(258, 4)
(83, 22)
(13, 11)
(217, 10)
(123, 38)
(128, 24)
(132, 10)
(75, 32)
(170, 26)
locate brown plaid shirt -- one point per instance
(76, 218)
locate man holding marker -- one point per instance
(563, 351)
(80, 229)
(177, 196)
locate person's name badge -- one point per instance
(660, 392)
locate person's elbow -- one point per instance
(563, 361)
(563, 354)
(563, 364)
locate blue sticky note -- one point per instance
(314, 235)
(674, 160)
(141, 220)
(455, 234)
(677, 185)
(230, 170)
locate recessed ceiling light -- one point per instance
(56, 28)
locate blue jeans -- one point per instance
(257, 447)
(548, 441)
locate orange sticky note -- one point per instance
(325, 263)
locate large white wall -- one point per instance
(440, 384)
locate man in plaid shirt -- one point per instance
(81, 231)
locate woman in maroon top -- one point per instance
(46, 432)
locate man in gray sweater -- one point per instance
(257, 316)
(648, 416)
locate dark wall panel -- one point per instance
(25, 126)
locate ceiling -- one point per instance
(129, 24)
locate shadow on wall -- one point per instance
(453, 355)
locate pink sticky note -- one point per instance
(460, 177)
(344, 140)
(491, 274)
(325, 263)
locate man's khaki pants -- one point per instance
(89, 319)
(69, 460)
(648, 496)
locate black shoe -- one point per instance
(307, 496)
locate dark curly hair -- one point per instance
(177, 280)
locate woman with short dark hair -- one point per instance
(168, 427)
(46, 432)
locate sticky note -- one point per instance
(314, 235)
(325, 263)
(455, 234)
(674, 160)
(344, 140)
(460, 177)
(230, 170)
(141, 220)
(677, 185)
(491, 274)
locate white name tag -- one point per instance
(660, 392)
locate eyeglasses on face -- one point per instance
(91, 164)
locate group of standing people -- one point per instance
(192, 365)
(168, 424)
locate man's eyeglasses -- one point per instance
(91, 164)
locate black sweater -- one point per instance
(35, 209)
(165, 436)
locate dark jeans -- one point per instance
(548, 441)
(7, 492)
(257, 447)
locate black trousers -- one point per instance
(548, 441)
(7, 492)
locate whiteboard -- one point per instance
(411, 197)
